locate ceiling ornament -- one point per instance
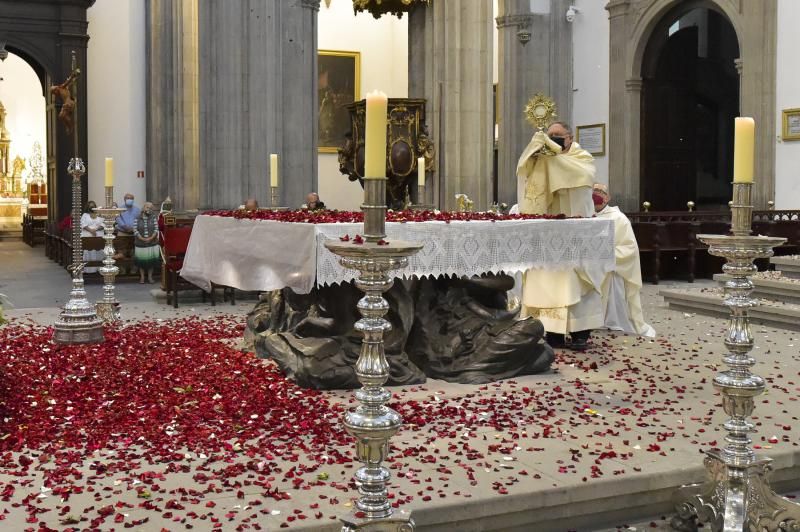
(378, 8)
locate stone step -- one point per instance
(9, 235)
(788, 265)
(775, 289)
(709, 302)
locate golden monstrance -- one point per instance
(540, 111)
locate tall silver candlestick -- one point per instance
(372, 423)
(108, 307)
(737, 496)
(78, 322)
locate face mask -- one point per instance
(559, 141)
(597, 199)
(92, 207)
(129, 203)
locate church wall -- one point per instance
(116, 102)
(590, 39)
(383, 45)
(21, 94)
(787, 154)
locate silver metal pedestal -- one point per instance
(78, 322)
(108, 307)
(372, 423)
(737, 497)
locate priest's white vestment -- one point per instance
(620, 289)
(565, 301)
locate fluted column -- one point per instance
(173, 102)
(624, 184)
(258, 84)
(544, 64)
(450, 65)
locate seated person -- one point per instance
(313, 202)
(250, 205)
(126, 221)
(620, 289)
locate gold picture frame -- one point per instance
(338, 84)
(791, 124)
(592, 138)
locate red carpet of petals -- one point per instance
(327, 217)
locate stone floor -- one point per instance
(601, 441)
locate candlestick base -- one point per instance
(398, 522)
(108, 308)
(78, 322)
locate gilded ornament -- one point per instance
(540, 111)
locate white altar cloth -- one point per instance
(262, 255)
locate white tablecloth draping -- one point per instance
(268, 255)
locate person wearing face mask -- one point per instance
(620, 288)
(126, 221)
(146, 254)
(91, 225)
(555, 176)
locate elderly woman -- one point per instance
(91, 225)
(146, 253)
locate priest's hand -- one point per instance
(538, 142)
(552, 145)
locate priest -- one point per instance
(555, 176)
(620, 288)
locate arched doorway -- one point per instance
(690, 96)
(23, 141)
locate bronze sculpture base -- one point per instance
(457, 330)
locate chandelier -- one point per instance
(378, 8)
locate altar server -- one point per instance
(620, 289)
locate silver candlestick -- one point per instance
(737, 496)
(78, 322)
(108, 307)
(372, 423)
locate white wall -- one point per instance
(21, 94)
(383, 45)
(590, 38)
(116, 100)
(787, 153)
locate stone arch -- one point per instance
(632, 24)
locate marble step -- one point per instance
(786, 290)
(10, 234)
(709, 302)
(789, 266)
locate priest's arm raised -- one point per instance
(552, 179)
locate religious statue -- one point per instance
(459, 330)
(19, 167)
(64, 93)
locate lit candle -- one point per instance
(375, 135)
(744, 147)
(273, 170)
(421, 171)
(109, 172)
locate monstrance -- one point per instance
(540, 111)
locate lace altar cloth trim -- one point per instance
(268, 255)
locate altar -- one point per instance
(11, 210)
(449, 309)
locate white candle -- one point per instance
(744, 148)
(375, 135)
(273, 170)
(421, 171)
(109, 172)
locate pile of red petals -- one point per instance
(328, 217)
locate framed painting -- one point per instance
(791, 124)
(339, 84)
(592, 138)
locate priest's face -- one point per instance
(600, 199)
(557, 131)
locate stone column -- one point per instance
(625, 188)
(450, 65)
(544, 64)
(173, 160)
(258, 61)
